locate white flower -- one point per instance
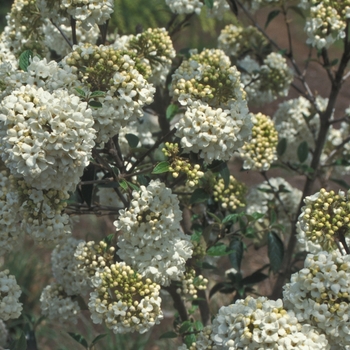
(10, 307)
(185, 6)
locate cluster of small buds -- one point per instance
(260, 152)
(118, 79)
(199, 249)
(327, 21)
(275, 75)
(232, 197)
(190, 284)
(208, 77)
(94, 257)
(263, 324)
(155, 46)
(180, 164)
(56, 305)
(203, 340)
(325, 218)
(10, 307)
(319, 294)
(237, 41)
(185, 6)
(257, 4)
(125, 301)
(42, 211)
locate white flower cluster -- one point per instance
(319, 294)
(152, 241)
(66, 270)
(46, 136)
(9, 218)
(324, 218)
(260, 199)
(125, 301)
(10, 307)
(212, 132)
(113, 80)
(327, 22)
(263, 324)
(257, 4)
(220, 7)
(260, 152)
(185, 6)
(57, 306)
(297, 121)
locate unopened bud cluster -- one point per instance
(232, 197)
(260, 152)
(199, 249)
(125, 301)
(325, 218)
(93, 256)
(191, 284)
(182, 165)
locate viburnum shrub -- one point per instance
(184, 151)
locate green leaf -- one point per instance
(168, 335)
(273, 217)
(95, 104)
(219, 249)
(303, 151)
(87, 190)
(231, 218)
(297, 10)
(334, 62)
(81, 92)
(341, 182)
(275, 250)
(209, 3)
(185, 327)
(133, 186)
(24, 59)
(199, 195)
(281, 147)
(254, 278)
(216, 218)
(208, 266)
(19, 343)
(161, 167)
(80, 339)
(225, 174)
(198, 325)
(271, 16)
(255, 216)
(109, 240)
(216, 288)
(133, 140)
(100, 336)
(123, 184)
(98, 94)
(171, 111)
(190, 339)
(236, 247)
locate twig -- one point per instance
(61, 32)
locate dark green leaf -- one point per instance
(334, 62)
(161, 167)
(216, 218)
(100, 336)
(24, 59)
(133, 186)
(219, 249)
(19, 343)
(171, 111)
(133, 140)
(341, 182)
(142, 180)
(209, 3)
(254, 278)
(199, 195)
(273, 217)
(254, 216)
(297, 10)
(87, 190)
(185, 327)
(275, 251)
(80, 339)
(236, 247)
(208, 266)
(225, 174)
(196, 236)
(109, 240)
(95, 104)
(123, 184)
(271, 16)
(81, 92)
(198, 325)
(168, 335)
(190, 339)
(281, 147)
(231, 218)
(98, 94)
(303, 151)
(217, 287)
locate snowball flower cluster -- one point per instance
(111, 80)
(232, 197)
(125, 301)
(263, 324)
(260, 152)
(214, 133)
(152, 241)
(327, 21)
(57, 306)
(65, 268)
(325, 218)
(10, 307)
(184, 6)
(46, 138)
(319, 294)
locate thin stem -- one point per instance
(73, 24)
(61, 32)
(178, 302)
